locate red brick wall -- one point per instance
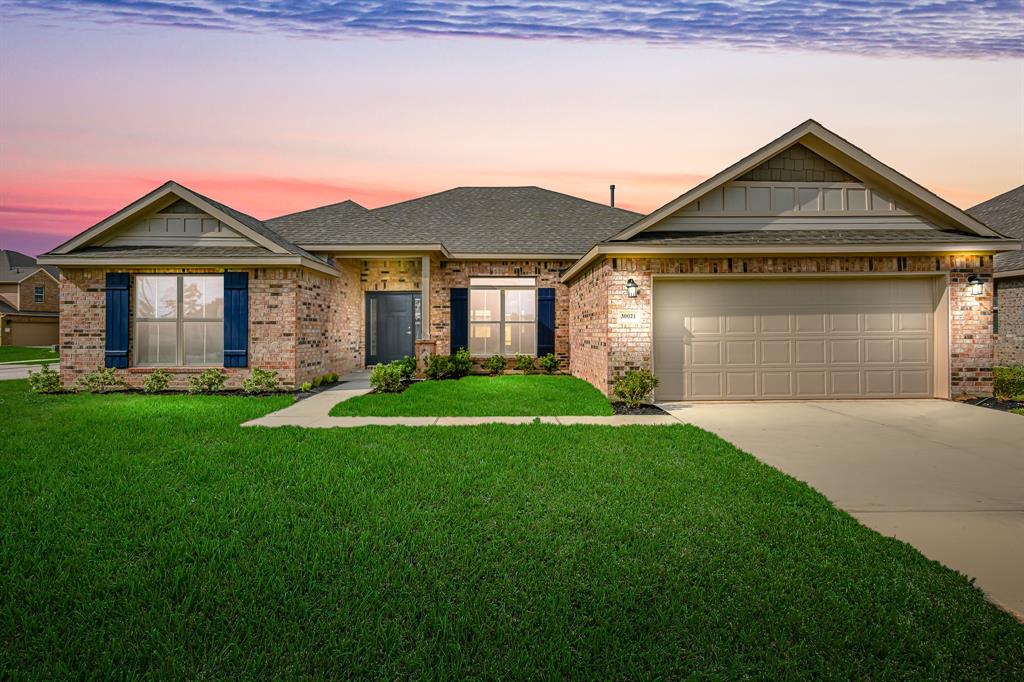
(630, 341)
(444, 275)
(1010, 339)
(589, 326)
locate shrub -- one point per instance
(260, 381)
(332, 378)
(407, 365)
(45, 380)
(103, 380)
(548, 363)
(440, 367)
(317, 381)
(210, 381)
(158, 381)
(524, 363)
(387, 378)
(635, 386)
(1008, 382)
(461, 363)
(495, 364)
(306, 386)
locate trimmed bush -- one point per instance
(387, 378)
(524, 363)
(210, 381)
(260, 381)
(440, 367)
(495, 364)
(306, 386)
(408, 366)
(317, 381)
(332, 378)
(634, 387)
(157, 381)
(103, 380)
(548, 363)
(45, 380)
(1008, 382)
(461, 363)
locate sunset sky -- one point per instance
(275, 106)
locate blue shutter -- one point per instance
(236, 319)
(545, 321)
(116, 354)
(460, 318)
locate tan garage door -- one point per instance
(764, 339)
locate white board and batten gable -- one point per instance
(809, 178)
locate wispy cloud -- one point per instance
(963, 28)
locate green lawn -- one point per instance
(26, 354)
(477, 396)
(149, 536)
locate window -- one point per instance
(502, 315)
(179, 320)
(40, 292)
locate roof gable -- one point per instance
(1005, 213)
(811, 141)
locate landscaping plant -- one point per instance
(548, 363)
(439, 367)
(260, 381)
(461, 363)
(387, 378)
(103, 380)
(1008, 382)
(210, 381)
(45, 380)
(306, 386)
(524, 363)
(634, 387)
(157, 381)
(495, 364)
(408, 367)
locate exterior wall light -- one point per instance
(976, 285)
(632, 288)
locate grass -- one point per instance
(149, 536)
(478, 396)
(1019, 410)
(26, 354)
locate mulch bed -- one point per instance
(996, 404)
(620, 408)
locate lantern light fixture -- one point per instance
(977, 287)
(632, 288)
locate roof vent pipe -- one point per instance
(612, 188)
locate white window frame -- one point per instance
(179, 326)
(39, 294)
(479, 283)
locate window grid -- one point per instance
(40, 294)
(180, 320)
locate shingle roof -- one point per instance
(16, 266)
(528, 220)
(813, 237)
(1005, 213)
(6, 307)
(343, 223)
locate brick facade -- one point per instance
(628, 342)
(1010, 336)
(27, 293)
(391, 275)
(446, 274)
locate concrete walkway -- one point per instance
(315, 413)
(18, 371)
(944, 477)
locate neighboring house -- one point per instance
(28, 301)
(1006, 214)
(805, 270)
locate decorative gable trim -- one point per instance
(836, 150)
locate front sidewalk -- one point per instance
(315, 413)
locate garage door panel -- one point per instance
(793, 339)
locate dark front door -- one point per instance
(391, 325)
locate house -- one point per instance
(28, 301)
(1006, 214)
(807, 269)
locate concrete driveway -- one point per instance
(945, 477)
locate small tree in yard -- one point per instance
(634, 387)
(387, 378)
